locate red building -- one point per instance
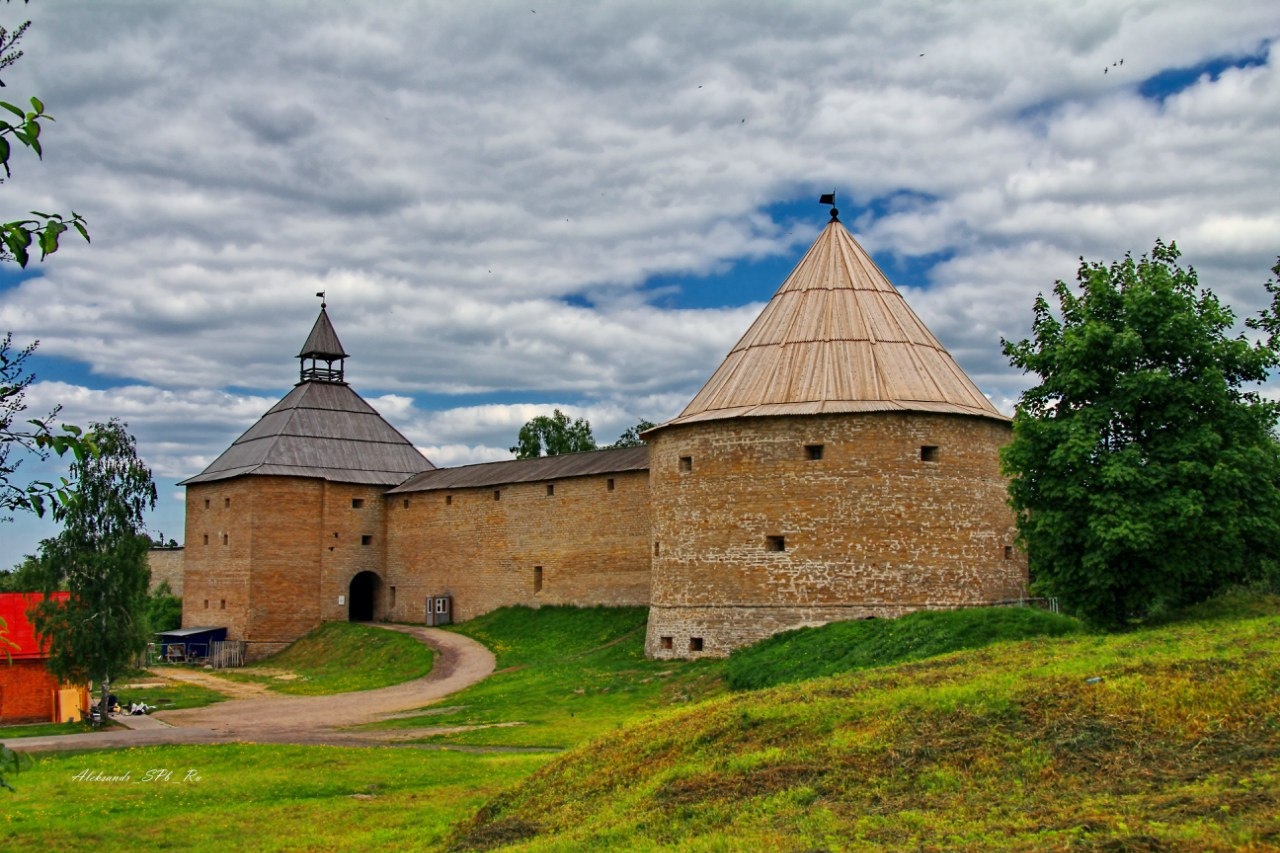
(29, 692)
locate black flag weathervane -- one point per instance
(830, 198)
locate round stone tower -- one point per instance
(838, 465)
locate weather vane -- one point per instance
(830, 198)
(323, 304)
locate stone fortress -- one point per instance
(838, 465)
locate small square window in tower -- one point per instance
(695, 644)
(775, 543)
(813, 452)
(686, 463)
(357, 503)
(667, 643)
(928, 453)
(366, 539)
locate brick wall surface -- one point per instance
(751, 535)
(26, 692)
(590, 542)
(166, 565)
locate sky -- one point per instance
(518, 207)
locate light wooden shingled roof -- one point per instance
(836, 337)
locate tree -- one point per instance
(1141, 471)
(631, 438)
(16, 239)
(100, 557)
(552, 435)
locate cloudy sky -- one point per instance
(582, 204)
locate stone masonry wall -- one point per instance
(583, 544)
(166, 566)
(215, 587)
(764, 524)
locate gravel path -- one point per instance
(273, 718)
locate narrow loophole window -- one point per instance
(657, 548)
(206, 503)
(497, 494)
(222, 604)
(391, 598)
(406, 503)
(609, 484)
(448, 500)
(226, 502)
(206, 539)
(551, 489)
(1008, 552)
(537, 579)
(225, 539)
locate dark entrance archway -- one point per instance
(362, 595)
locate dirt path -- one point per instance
(272, 718)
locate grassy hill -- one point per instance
(808, 653)
(1161, 739)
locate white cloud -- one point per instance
(484, 192)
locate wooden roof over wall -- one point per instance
(544, 468)
(836, 337)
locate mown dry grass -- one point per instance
(1164, 739)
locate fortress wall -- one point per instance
(166, 565)
(351, 539)
(217, 556)
(584, 544)
(753, 535)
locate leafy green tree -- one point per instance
(18, 238)
(1141, 471)
(631, 438)
(100, 557)
(164, 609)
(552, 435)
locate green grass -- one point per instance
(8, 733)
(339, 657)
(263, 798)
(851, 646)
(565, 675)
(168, 697)
(1160, 739)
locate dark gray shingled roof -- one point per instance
(323, 341)
(486, 474)
(320, 429)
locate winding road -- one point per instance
(315, 720)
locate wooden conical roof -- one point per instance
(836, 337)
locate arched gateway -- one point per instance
(362, 596)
